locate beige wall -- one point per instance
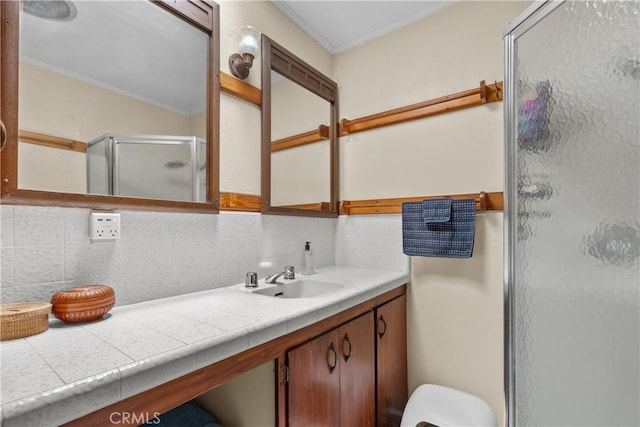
(51, 169)
(59, 105)
(198, 124)
(454, 306)
(301, 174)
(295, 109)
(247, 400)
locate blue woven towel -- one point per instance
(451, 239)
(435, 211)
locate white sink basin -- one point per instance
(303, 288)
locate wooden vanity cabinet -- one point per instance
(391, 355)
(331, 380)
(352, 375)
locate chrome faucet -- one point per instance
(288, 273)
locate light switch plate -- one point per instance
(104, 226)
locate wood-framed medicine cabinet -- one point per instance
(184, 34)
(299, 136)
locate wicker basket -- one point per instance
(23, 319)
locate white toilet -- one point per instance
(446, 407)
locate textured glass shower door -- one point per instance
(572, 215)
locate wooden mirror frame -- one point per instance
(204, 15)
(279, 59)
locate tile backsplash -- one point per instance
(370, 241)
(47, 249)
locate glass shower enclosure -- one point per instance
(148, 166)
(572, 214)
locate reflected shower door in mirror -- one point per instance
(299, 136)
(300, 146)
(115, 98)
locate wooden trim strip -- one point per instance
(320, 134)
(457, 101)
(99, 201)
(51, 141)
(175, 392)
(359, 125)
(251, 203)
(240, 89)
(493, 201)
(320, 206)
(239, 202)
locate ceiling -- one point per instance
(341, 25)
(131, 47)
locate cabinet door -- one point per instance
(391, 352)
(357, 372)
(314, 382)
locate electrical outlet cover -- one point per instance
(104, 226)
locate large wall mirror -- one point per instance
(111, 104)
(299, 136)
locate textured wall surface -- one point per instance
(160, 254)
(370, 241)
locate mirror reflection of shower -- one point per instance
(148, 166)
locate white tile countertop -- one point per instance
(74, 369)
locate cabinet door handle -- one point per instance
(382, 326)
(332, 357)
(3, 135)
(346, 354)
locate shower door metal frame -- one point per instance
(113, 142)
(515, 29)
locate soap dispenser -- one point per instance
(308, 263)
